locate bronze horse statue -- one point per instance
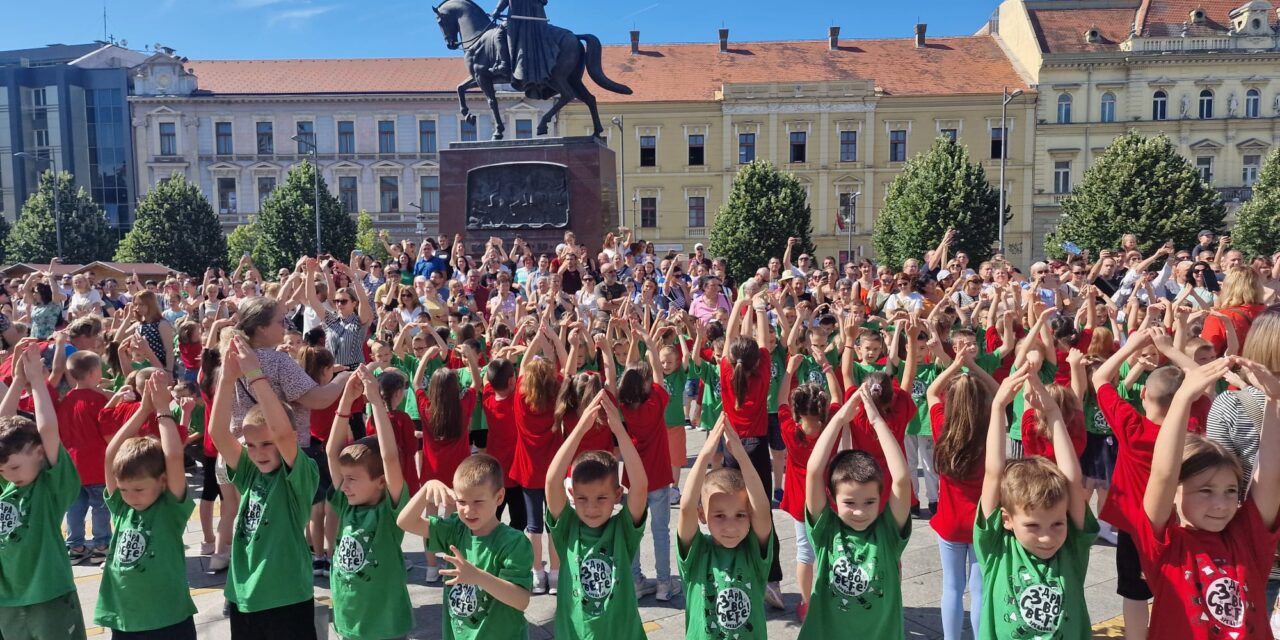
(469, 27)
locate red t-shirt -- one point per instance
(440, 458)
(648, 429)
(1136, 439)
(322, 421)
(750, 418)
(82, 433)
(1241, 317)
(899, 414)
(210, 451)
(406, 445)
(189, 354)
(536, 442)
(957, 497)
(597, 438)
(110, 419)
(799, 449)
(1063, 376)
(1034, 444)
(1207, 586)
(501, 418)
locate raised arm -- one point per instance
(761, 508)
(1265, 487)
(561, 462)
(129, 430)
(815, 493)
(171, 440)
(1166, 460)
(387, 447)
(996, 434)
(340, 431)
(1064, 452)
(1109, 370)
(638, 496)
(46, 415)
(895, 460)
(691, 496)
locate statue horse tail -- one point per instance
(596, 70)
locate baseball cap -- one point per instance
(699, 246)
(1204, 232)
(944, 274)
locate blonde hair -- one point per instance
(477, 470)
(723, 480)
(1032, 483)
(1242, 286)
(148, 307)
(1262, 345)
(538, 385)
(138, 459)
(1200, 454)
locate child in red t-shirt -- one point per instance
(86, 441)
(392, 384)
(1037, 438)
(1205, 551)
(536, 444)
(574, 397)
(497, 399)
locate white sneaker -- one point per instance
(219, 562)
(433, 575)
(553, 582)
(206, 548)
(668, 589)
(645, 587)
(675, 496)
(539, 582)
(773, 596)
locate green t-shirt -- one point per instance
(724, 588)
(368, 570)
(1132, 394)
(1028, 598)
(926, 373)
(811, 371)
(777, 369)
(270, 560)
(146, 565)
(674, 383)
(712, 405)
(408, 364)
(469, 612)
(1094, 420)
(597, 597)
(197, 418)
(1048, 371)
(857, 582)
(861, 371)
(33, 553)
(478, 421)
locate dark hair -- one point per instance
(1064, 329)
(810, 399)
(635, 385)
(17, 434)
(391, 382)
(595, 466)
(852, 465)
(744, 356)
(575, 395)
(1210, 277)
(444, 411)
(501, 372)
(315, 337)
(881, 386)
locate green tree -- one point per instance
(286, 225)
(937, 191)
(4, 233)
(1257, 228)
(1139, 185)
(86, 235)
(243, 239)
(367, 239)
(176, 227)
(764, 209)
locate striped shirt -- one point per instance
(1235, 422)
(345, 338)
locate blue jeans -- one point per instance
(954, 577)
(90, 497)
(660, 527)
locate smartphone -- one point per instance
(245, 255)
(1071, 248)
(358, 252)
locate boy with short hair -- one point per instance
(276, 486)
(86, 439)
(146, 491)
(1034, 527)
(492, 572)
(37, 483)
(725, 572)
(597, 600)
(369, 493)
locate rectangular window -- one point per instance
(848, 211)
(697, 150)
(389, 194)
(746, 148)
(648, 212)
(346, 136)
(41, 137)
(648, 151)
(265, 187)
(697, 211)
(1251, 167)
(426, 136)
(386, 136)
(848, 146)
(39, 97)
(997, 142)
(898, 145)
(430, 188)
(306, 136)
(950, 134)
(1204, 166)
(266, 139)
(222, 135)
(799, 146)
(469, 131)
(226, 195)
(524, 129)
(1062, 176)
(348, 194)
(168, 139)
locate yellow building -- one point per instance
(1199, 71)
(843, 116)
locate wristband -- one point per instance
(160, 416)
(344, 415)
(253, 380)
(252, 373)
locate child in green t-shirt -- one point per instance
(1033, 528)
(369, 493)
(708, 371)
(725, 572)
(276, 485)
(38, 482)
(675, 373)
(596, 545)
(857, 582)
(492, 572)
(146, 491)
(861, 355)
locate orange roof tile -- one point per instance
(1165, 17)
(1062, 30)
(367, 75)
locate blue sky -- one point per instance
(230, 29)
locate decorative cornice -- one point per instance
(798, 107)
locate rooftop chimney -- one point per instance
(920, 27)
(635, 42)
(724, 41)
(833, 37)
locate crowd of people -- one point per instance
(527, 416)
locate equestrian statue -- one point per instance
(525, 51)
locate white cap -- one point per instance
(698, 246)
(943, 275)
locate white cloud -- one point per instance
(295, 17)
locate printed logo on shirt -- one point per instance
(918, 390)
(596, 575)
(131, 545)
(1041, 607)
(1225, 601)
(252, 516)
(1100, 421)
(466, 604)
(733, 608)
(10, 518)
(349, 556)
(849, 579)
(816, 376)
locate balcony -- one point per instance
(696, 232)
(1235, 194)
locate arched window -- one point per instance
(1206, 104)
(1108, 107)
(1159, 105)
(1252, 103)
(1064, 108)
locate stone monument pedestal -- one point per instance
(533, 189)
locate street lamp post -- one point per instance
(622, 170)
(57, 210)
(1004, 153)
(315, 161)
(848, 223)
(421, 226)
